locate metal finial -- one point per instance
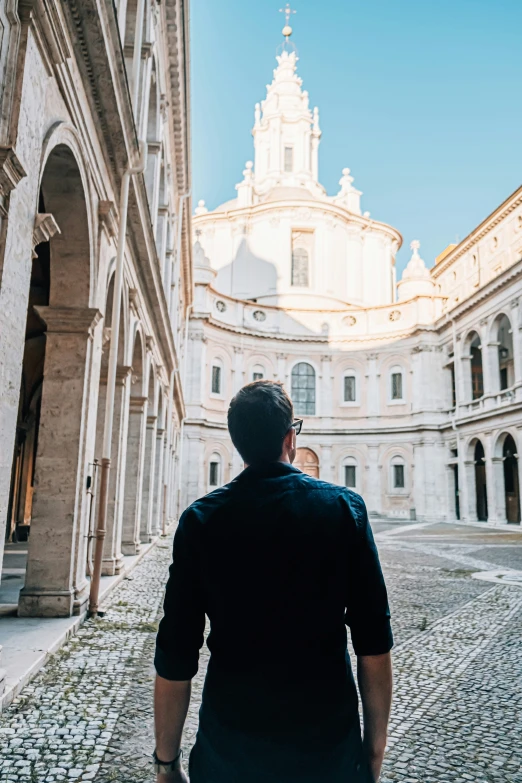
(287, 11)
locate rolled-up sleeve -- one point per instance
(181, 630)
(367, 609)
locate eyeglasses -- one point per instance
(297, 425)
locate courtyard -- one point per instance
(456, 600)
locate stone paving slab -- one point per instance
(458, 680)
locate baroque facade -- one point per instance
(88, 90)
(410, 391)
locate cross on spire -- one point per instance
(287, 11)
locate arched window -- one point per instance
(349, 476)
(303, 389)
(396, 384)
(300, 267)
(214, 472)
(505, 353)
(477, 378)
(216, 378)
(398, 474)
(349, 387)
(258, 372)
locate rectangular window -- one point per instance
(503, 378)
(453, 387)
(213, 474)
(396, 380)
(349, 388)
(289, 159)
(349, 476)
(257, 376)
(398, 476)
(216, 380)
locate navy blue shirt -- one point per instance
(281, 563)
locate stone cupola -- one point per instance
(416, 278)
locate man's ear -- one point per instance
(289, 442)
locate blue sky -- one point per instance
(421, 100)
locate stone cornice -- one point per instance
(79, 320)
(45, 227)
(363, 223)
(11, 170)
(496, 217)
(506, 278)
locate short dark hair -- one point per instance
(259, 416)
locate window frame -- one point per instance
(214, 459)
(350, 462)
(300, 285)
(397, 369)
(398, 461)
(253, 372)
(297, 410)
(350, 373)
(290, 148)
(217, 364)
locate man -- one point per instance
(280, 563)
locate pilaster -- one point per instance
(56, 522)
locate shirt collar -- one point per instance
(269, 470)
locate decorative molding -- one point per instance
(45, 227)
(69, 320)
(133, 300)
(108, 218)
(11, 170)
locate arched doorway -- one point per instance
(28, 421)
(511, 484)
(480, 482)
(477, 375)
(506, 370)
(307, 461)
(52, 501)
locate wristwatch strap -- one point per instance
(165, 767)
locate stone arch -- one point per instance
(475, 377)
(476, 450)
(502, 339)
(61, 320)
(506, 470)
(307, 460)
(63, 155)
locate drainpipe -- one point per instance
(111, 383)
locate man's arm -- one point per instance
(171, 703)
(374, 674)
(368, 616)
(180, 637)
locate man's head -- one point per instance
(260, 420)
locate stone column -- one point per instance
(325, 397)
(373, 481)
(147, 499)
(49, 585)
(112, 555)
(326, 469)
(489, 359)
(372, 381)
(130, 544)
(490, 479)
(238, 370)
(498, 491)
(158, 483)
(281, 369)
(469, 492)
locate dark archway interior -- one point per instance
(511, 483)
(480, 482)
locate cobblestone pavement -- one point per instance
(458, 672)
